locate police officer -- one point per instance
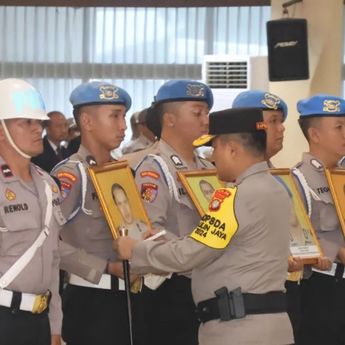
(93, 313)
(181, 108)
(29, 224)
(275, 112)
(238, 252)
(152, 124)
(322, 120)
(145, 138)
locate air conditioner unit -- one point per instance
(228, 75)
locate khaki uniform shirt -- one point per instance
(255, 260)
(174, 212)
(323, 213)
(90, 230)
(22, 215)
(135, 158)
(137, 144)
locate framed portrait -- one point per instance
(303, 241)
(120, 199)
(200, 185)
(336, 182)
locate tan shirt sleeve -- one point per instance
(79, 262)
(55, 309)
(154, 192)
(179, 255)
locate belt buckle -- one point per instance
(40, 304)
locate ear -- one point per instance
(314, 135)
(85, 120)
(169, 119)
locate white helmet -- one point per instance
(19, 99)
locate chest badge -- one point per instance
(10, 195)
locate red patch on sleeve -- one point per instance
(152, 174)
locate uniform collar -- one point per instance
(6, 175)
(175, 158)
(85, 156)
(144, 140)
(252, 170)
(313, 162)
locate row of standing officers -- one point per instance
(229, 268)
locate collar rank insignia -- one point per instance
(176, 160)
(91, 161)
(108, 92)
(10, 195)
(6, 171)
(271, 101)
(316, 164)
(195, 90)
(331, 106)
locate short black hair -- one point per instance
(307, 122)
(256, 142)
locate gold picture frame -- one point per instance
(120, 199)
(303, 241)
(200, 185)
(336, 183)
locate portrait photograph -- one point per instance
(336, 182)
(120, 199)
(200, 186)
(303, 241)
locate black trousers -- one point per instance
(323, 310)
(24, 328)
(293, 303)
(172, 318)
(100, 317)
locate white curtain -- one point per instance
(135, 48)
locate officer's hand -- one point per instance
(295, 264)
(149, 233)
(115, 269)
(323, 263)
(124, 247)
(55, 339)
(341, 255)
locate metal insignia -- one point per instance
(331, 105)
(195, 90)
(271, 101)
(108, 92)
(315, 163)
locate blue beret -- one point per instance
(97, 92)
(184, 90)
(260, 99)
(321, 105)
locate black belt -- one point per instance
(234, 305)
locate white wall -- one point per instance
(325, 43)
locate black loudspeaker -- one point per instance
(287, 41)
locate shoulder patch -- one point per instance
(218, 226)
(65, 189)
(66, 175)
(149, 192)
(152, 174)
